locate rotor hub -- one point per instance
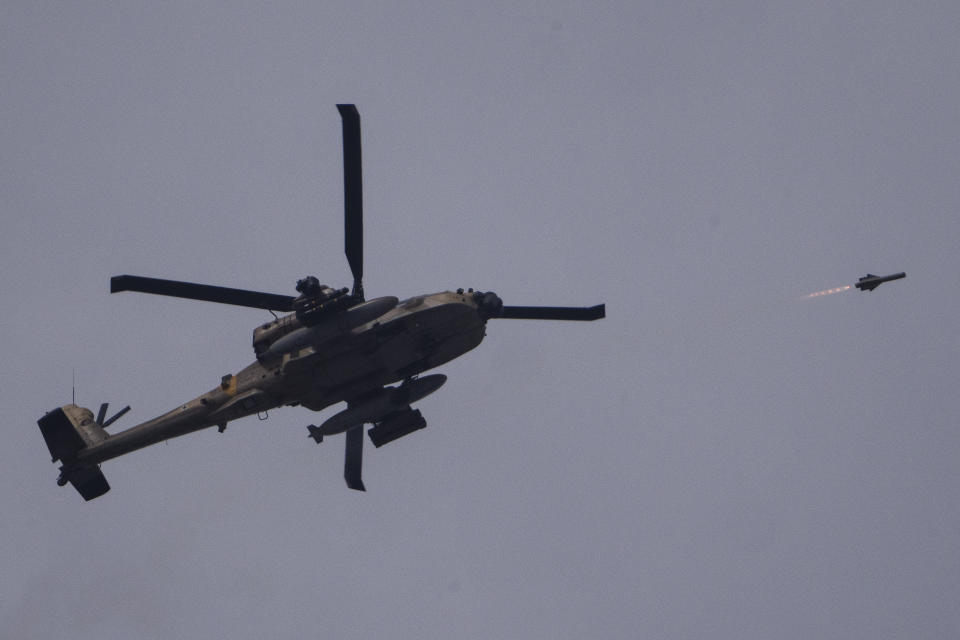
(310, 287)
(489, 304)
(318, 301)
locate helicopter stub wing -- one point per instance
(388, 409)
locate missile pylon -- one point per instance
(382, 403)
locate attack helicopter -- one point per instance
(333, 346)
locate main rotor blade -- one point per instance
(353, 458)
(554, 313)
(352, 194)
(209, 293)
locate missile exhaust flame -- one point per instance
(826, 292)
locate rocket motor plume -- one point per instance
(826, 292)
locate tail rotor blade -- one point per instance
(352, 194)
(554, 313)
(115, 416)
(102, 413)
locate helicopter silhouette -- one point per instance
(332, 346)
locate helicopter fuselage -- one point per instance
(335, 347)
(416, 335)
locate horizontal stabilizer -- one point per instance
(67, 430)
(89, 482)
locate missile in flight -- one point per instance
(870, 282)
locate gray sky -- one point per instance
(717, 458)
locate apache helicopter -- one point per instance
(334, 346)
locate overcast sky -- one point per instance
(717, 458)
